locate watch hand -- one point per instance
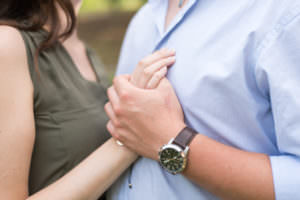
(169, 160)
(166, 161)
(175, 158)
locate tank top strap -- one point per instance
(31, 45)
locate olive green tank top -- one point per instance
(69, 112)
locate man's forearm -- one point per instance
(228, 172)
(156, 117)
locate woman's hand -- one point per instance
(149, 72)
(152, 69)
(131, 126)
(143, 120)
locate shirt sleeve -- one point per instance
(279, 80)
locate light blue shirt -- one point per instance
(237, 76)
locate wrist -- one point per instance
(175, 130)
(125, 151)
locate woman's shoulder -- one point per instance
(9, 35)
(13, 59)
(11, 44)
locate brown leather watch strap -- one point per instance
(185, 137)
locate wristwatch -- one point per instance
(173, 156)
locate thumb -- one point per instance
(126, 76)
(166, 88)
(164, 84)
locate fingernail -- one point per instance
(173, 58)
(172, 50)
(165, 69)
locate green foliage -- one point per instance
(110, 5)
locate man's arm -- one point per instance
(142, 116)
(150, 118)
(229, 172)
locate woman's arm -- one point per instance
(17, 131)
(16, 116)
(92, 177)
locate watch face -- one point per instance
(172, 160)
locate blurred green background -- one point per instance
(109, 5)
(102, 25)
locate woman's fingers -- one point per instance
(112, 130)
(113, 122)
(113, 97)
(156, 78)
(150, 71)
(159, 65)
(157, 55)
(151, 64)
(111, 114)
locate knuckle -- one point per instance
(147, 72)
(117, 124)
(124, 96)
(162, 53)
(166, 61)
(115, 81)
(118, 111)
(160, 72)
(157, 75)
(143, 63)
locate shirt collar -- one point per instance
(159, 12)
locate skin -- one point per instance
(139, 117)
(17, 127)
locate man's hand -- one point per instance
(143, 120)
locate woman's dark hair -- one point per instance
(33, 15)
